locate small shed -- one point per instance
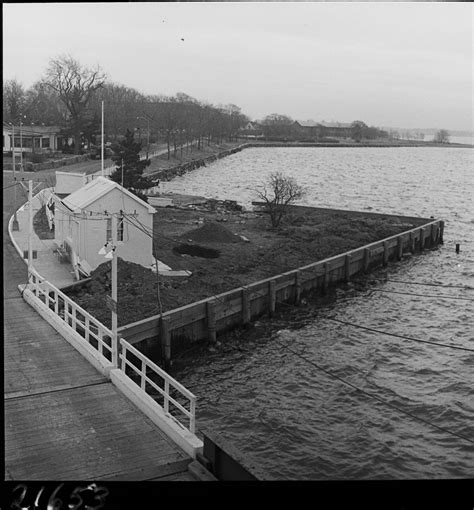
(83, 225)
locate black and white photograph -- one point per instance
(238, 246)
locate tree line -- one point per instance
(70, 95)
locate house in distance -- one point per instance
(83, 225)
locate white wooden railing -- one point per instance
(94, 332)
(164, 387)
(151, 378)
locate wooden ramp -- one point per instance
(65, 421)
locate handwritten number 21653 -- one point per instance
(76, 502)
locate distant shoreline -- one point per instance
(254, 143)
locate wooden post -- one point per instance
(87, 331)
(326, 277)
(385, 253)
(211, 321)
(166, 400)
(412, 242)
(434, 232)
(165, 336)
(422, 239)
(366, 259)
(297, 287)
(245, 305)
(347, 268)
(441, 232)
(143, 374)
(400, 248)
(271, 297)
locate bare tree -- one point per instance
(441, 136)
(279, 192)
(13, 100)
(75, 85)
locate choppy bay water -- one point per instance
(286, 393)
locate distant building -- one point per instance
(31, 138)
(318, 131)
(83, 225)
(251, 130)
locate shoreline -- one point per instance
(187, 164)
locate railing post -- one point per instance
(73, 318)
(114, 343)
(166, 401)
(123, 357)
(192, 418)
(86, 332)
(56, 302)
(143, 376)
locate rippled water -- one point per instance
(306, 397)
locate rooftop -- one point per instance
(95, 189)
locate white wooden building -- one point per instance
(83, 225)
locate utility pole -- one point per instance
(15, 225)
(114, 292)
(102, 143)
(21, 148)
(30, 223)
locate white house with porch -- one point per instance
(31, 138)
(83, 225)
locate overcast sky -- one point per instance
(388, 64)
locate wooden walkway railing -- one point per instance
(97, 341)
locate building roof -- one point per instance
(31, 130)
(96, 189)
(308, 123)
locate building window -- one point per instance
(108, 234)
(45, 143)
(120, 228)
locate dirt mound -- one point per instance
(212, 232)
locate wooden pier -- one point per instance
(64, 419)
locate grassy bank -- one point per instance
(248, 250)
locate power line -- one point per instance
(421, 295)
(417, 283)
(11, 186)
(399, 336)
(371, 395)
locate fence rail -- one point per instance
(168, 383)
(107, 349)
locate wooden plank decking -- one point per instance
(65, 421)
